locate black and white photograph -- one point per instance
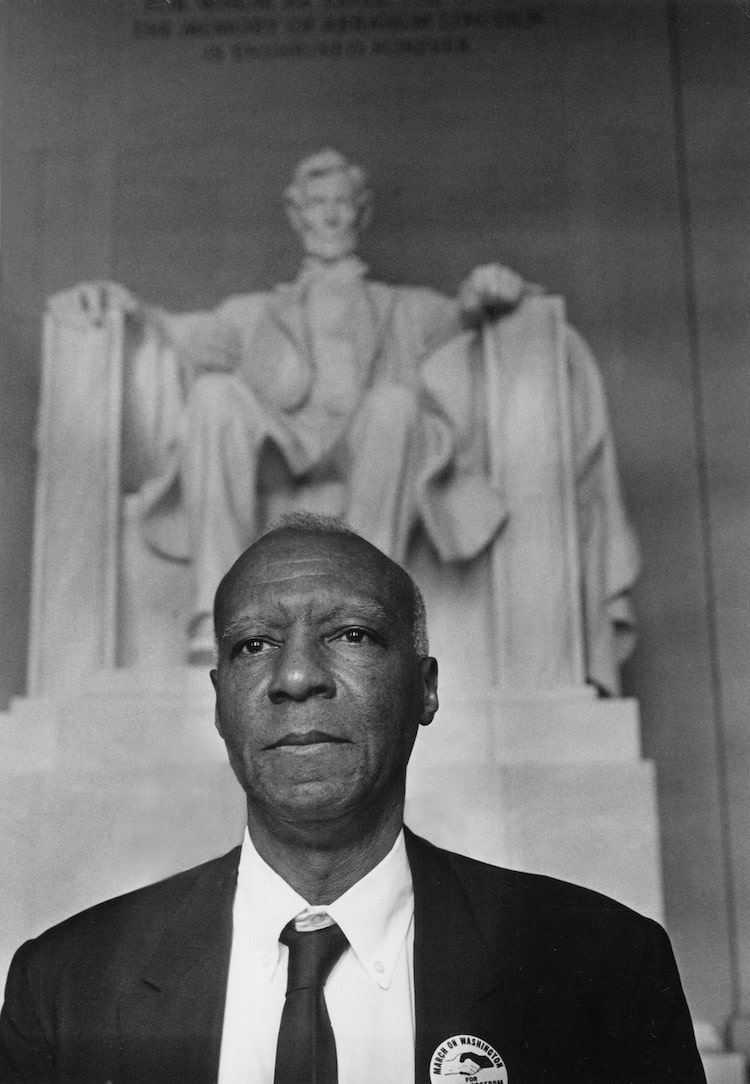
(375, 548)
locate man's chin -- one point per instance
(314, 798)
(309, 802)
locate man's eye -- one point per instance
(254, 646)
(355, 636)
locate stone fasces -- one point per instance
(76, 542)
(536, 568)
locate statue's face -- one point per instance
(327, 221)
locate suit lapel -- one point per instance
(171, 1014)
(471, 968)
(470, 964)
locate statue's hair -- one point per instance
(320, 165)
(330, 525)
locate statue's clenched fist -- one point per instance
(491, 288)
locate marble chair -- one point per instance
(102, 601)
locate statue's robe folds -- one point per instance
(241, 400)
(258, 399)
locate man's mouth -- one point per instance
(308, 737)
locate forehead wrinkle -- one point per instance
(367, 608)
(241, 621)
(289, 569)
(287, 559)
(359, 606)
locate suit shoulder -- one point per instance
(133, 917)
(551, 899)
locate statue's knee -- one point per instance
(213, 391)
(220, 399)
(393, 403)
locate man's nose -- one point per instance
(300, 672)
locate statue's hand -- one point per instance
(490, 289)
(97, 299)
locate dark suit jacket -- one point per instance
(565, 984)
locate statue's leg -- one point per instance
(225, 428)
(383, 454)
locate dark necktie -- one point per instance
(306, 1050)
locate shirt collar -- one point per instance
(375, 913)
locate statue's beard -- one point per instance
(330, 246)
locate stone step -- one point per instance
(125, 779)
(170, 713)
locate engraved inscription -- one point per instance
(256, 30)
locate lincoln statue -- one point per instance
(319, 394)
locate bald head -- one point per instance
(296, 534)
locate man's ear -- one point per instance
(429, 668)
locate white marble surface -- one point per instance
(125, 779)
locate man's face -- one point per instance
(327, 220)
(319, 691)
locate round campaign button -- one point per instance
(465, 1059)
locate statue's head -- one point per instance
(328, 203)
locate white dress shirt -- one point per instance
(369, 993)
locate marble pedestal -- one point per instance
(123, 780)
(548, 783)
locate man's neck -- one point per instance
(322, 862)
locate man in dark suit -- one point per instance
(428, 964)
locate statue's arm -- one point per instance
(203, 341)
(432, 319)
(489, 292)
(209, 340)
